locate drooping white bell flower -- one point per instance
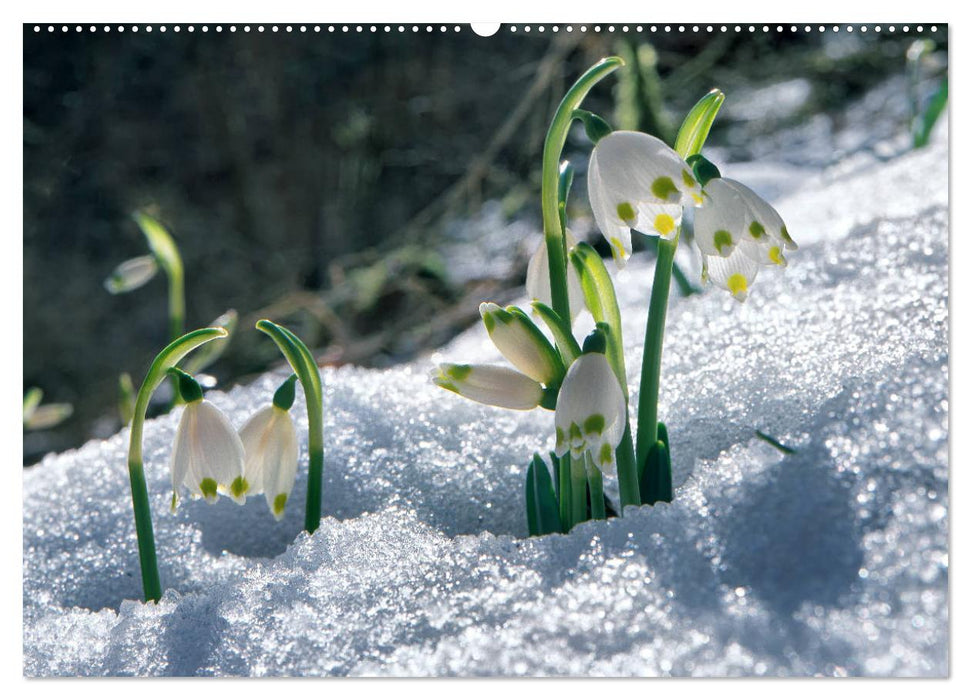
(538, 278)
(521, 342)
(270, 466)
(591, 412)
(132, 274)
(488, 384)
(635, 181)
(738, 231)
(734, 213)
(208, 456)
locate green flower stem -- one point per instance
(653, 341)
(578, 495)
(166, 360)
(595, 481)
(305, 366)
(555, 140)
(690, 140)
(566, 491)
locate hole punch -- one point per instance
(485, 28)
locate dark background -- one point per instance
(304, 174)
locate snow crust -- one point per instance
(832, 560)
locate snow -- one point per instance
(832, 560)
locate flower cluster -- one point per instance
(636, 182)
(210, 458)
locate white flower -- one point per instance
(738, 231)
(208, 456)
(132, 274)
(521, 342)
(270, 467)
(496, 386)
(591, 412)
(538, 278)
(635, 181)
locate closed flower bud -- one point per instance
(496, 386)
(538, 278)
(132, 274)
(521, 342)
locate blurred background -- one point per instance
(370, 189)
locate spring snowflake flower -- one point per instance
(538, 278)
(208, 456)
(738, 232)
(270, 467)
(591, 412)
(635, 181)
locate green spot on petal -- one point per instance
(775, 255)
(787, 238)
(279, 503)
(722, 238)
(663, 188)
(458, 372)
(688, 180)
(489, 321)
(208, 487)
(239, 487)
(626, 213)
(606, 454)
(575, 433)
(559, 437)
(756, 229)
(594, 424)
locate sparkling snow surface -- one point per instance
(831, 561)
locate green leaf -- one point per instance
(774, 442)
(160, 243)
(601, 299)
(656, 480)
(695, 127)
(562, 333)
(927, 120)
(542, 509)
(126, 398)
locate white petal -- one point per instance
(734, 273)
(762, 220)
(635, 181)
(179, 462)
(280, 467)
(214, 449)
(721, 224)
(255, 436)
(488, 384)
(538, 278)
